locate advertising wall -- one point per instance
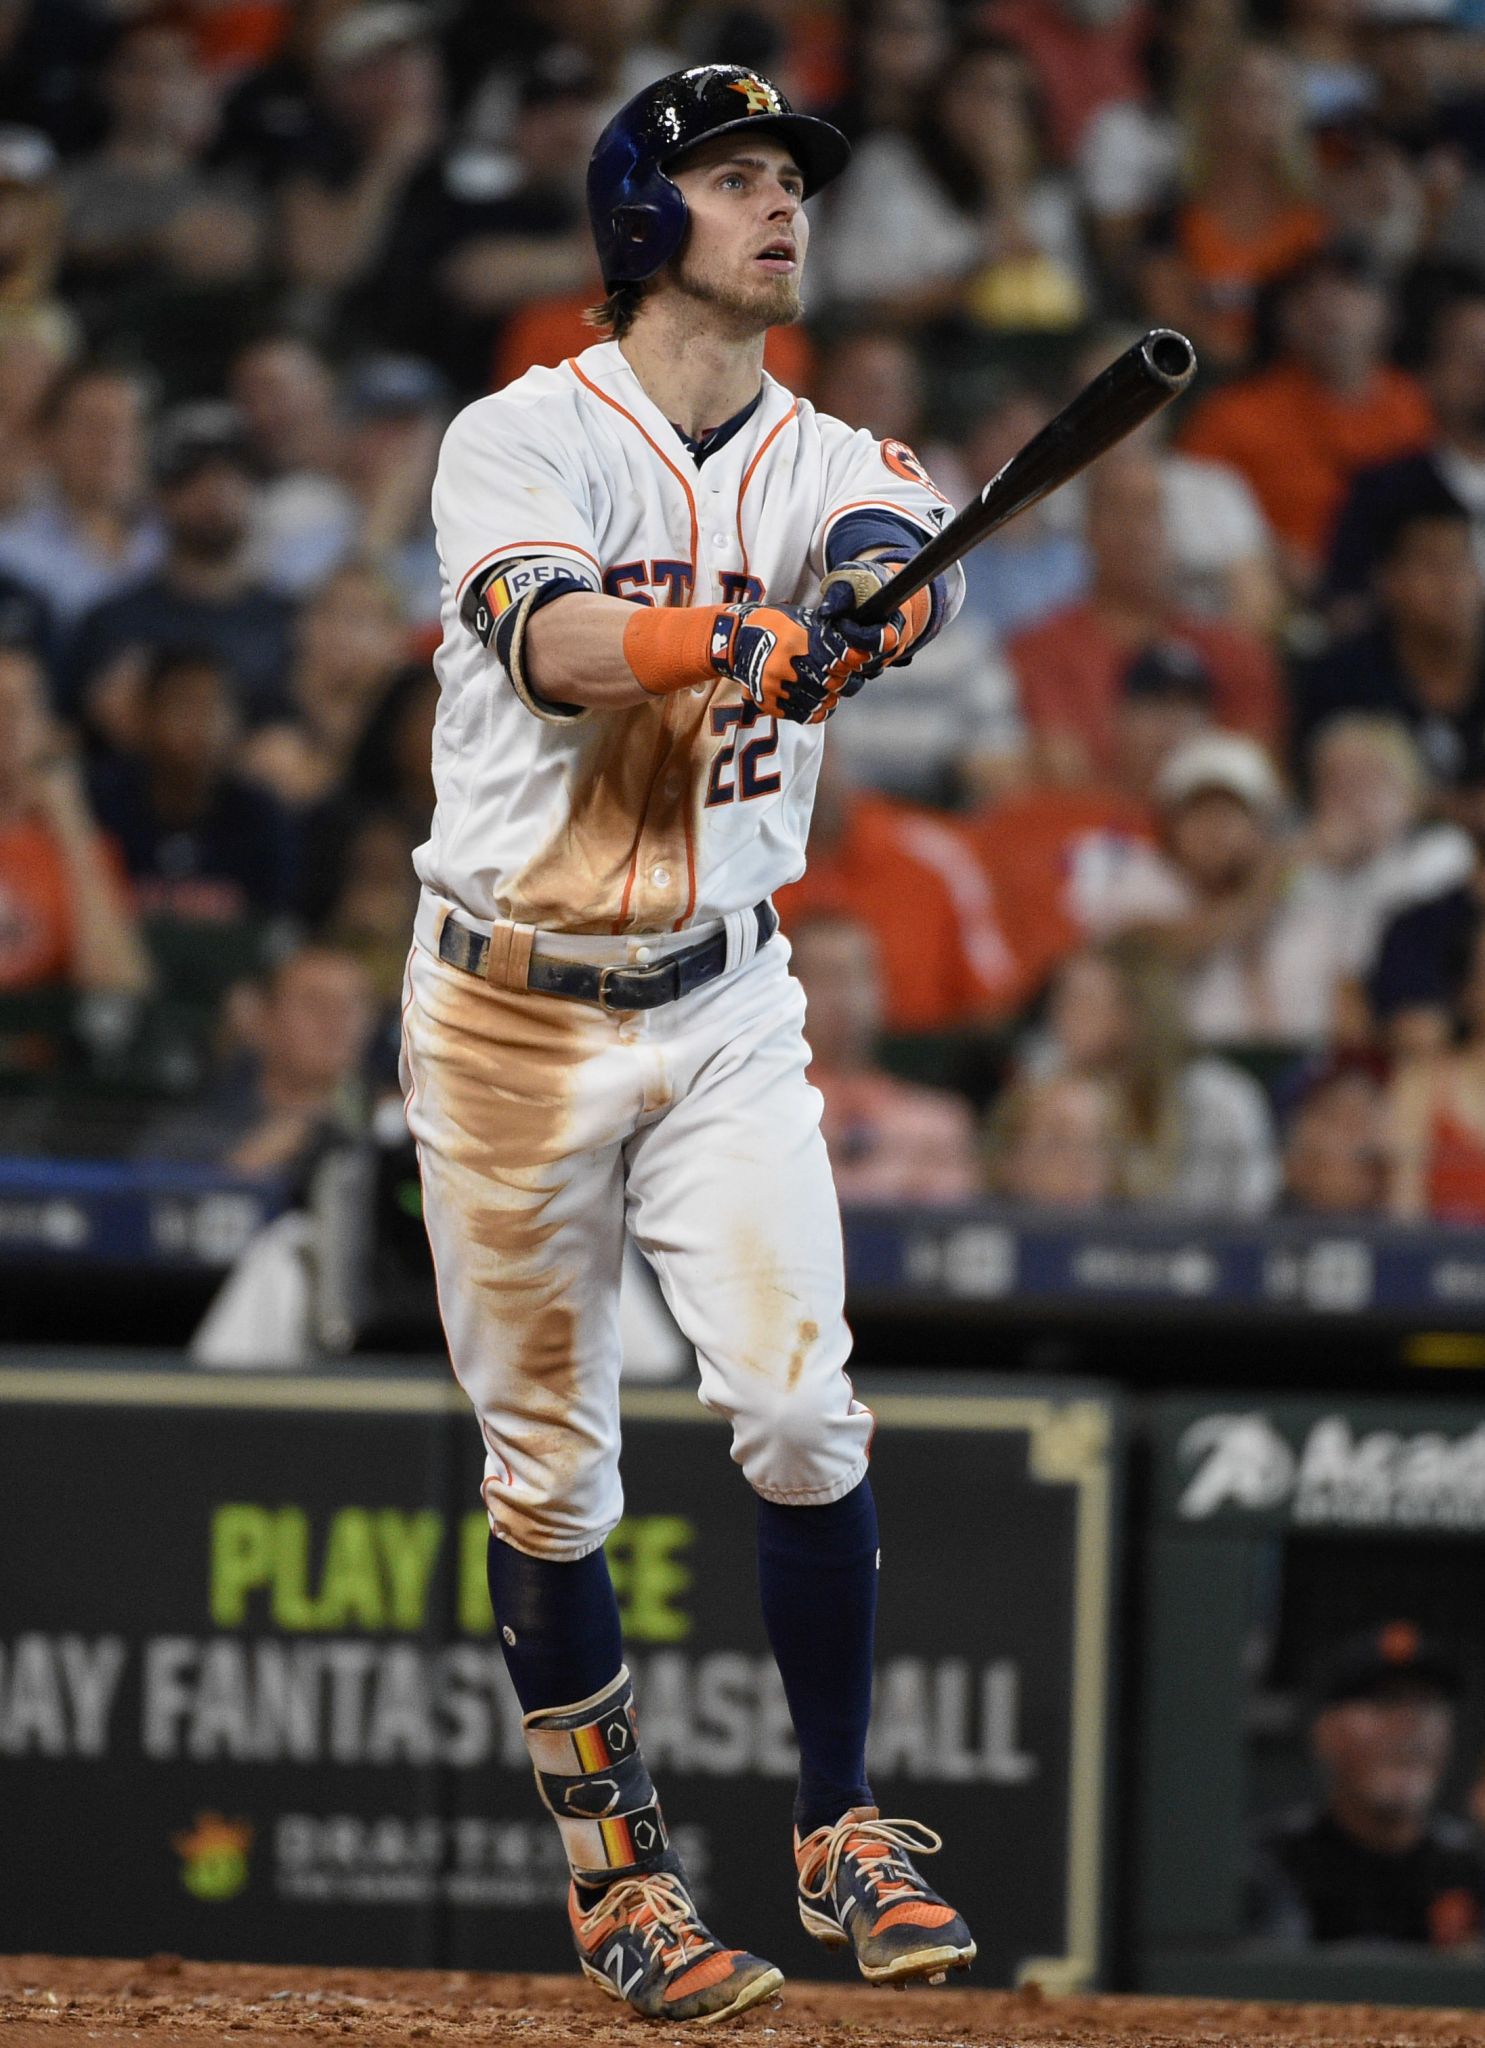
(252, 1705)
(1280, 1532)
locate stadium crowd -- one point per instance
(1158, 879)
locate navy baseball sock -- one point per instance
(558, 1623)
(817, 1575)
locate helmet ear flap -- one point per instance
(636, 223)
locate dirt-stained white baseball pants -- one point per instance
(543, 1125)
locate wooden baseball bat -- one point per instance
(1133, 387)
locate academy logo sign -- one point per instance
(1333, 1474)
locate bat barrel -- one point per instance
(1169, 358)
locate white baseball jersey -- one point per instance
(677, 811)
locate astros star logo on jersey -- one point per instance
(759, 94)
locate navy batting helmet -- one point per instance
(638, 214)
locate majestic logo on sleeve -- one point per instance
(902, 462)
(762, 98)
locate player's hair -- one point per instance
(614, 315)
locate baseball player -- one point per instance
(648, 557)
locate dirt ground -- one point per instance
(47, 2001)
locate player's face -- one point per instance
(744, 251)
(1387, 1755)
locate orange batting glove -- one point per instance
(787, 659)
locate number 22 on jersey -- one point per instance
(739, 771)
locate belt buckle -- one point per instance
(607, 975)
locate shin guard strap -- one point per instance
(598, 1850)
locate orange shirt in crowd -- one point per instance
(1069, 671)
(1299, 445)
(37, 927)
(1229, 269)
(234, 35)
(1456, 1170)
(548, 331)
(913, 880)
(1038, 849)
(892, 1141)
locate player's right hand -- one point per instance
(789, 660)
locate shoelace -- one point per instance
(888, 1835)
(656, 1906)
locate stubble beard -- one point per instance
(767, 301)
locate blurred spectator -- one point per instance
(64, 917)
(1320, 39)
(1335, 1151)
(1058, 1143)
(1226, 872)
(90, 532)
(198, 841)
(1272, 930)
(889, 1140)
(479, 234)
(870, 376)
(267, 116)
(141, 204)
(1427, 110)
(1423, 662)
(1196, 1130)
(1065, 865)
(203, 595)
(960, 212)
(912, 880)
(1454, 377)
(30, 220)
(1438, 1115)
(304, 517)
(233, 36)
(1037, 564)
(1326, 407)
(1130, 153)
(37, 343)
(1365, 854)
(396, 411)
(1423, 964)
(1083, 56)
(626, 47)
(348, 646)
(376, 119)
(391, 778)
(1373, 1860)
(1248, 214)
(26, 621)
(50, 53)
(897, 49)
(373, 912)
(295, 1086)
(1069, 667)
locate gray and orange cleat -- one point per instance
(643, 1941)
(857, 1890)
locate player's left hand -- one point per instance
(850, 584)
(786, 659)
